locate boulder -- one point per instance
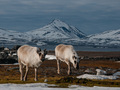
(16, 47)
(7, 49)
(101, 72)
(2, 48)
(8, 57)
(90, 71)
(117, 73)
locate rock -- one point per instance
(14, 68)
(3, 55)
(16, 47)
(90, 71)
(117, 73)
(5, 58)
(45, 80)
(111, 71)
(2, 48)
(8, 56)
(100, 72)
(6, 49)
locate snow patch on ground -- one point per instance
(98, 77)
(44, 86)
(50, 57)
(116, 74)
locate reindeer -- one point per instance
(67, 54)
(30, 57)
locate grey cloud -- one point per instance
(39, 6)
(85, 14)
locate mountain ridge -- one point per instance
(57, 29)
(59, 32)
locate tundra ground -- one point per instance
(48, 70)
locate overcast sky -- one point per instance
(90, 16)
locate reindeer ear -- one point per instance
(45, 51)
(38, 50)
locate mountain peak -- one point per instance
(59, 23)
(56, 20)
(57, 29)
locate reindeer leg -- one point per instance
(36, 73)
(69, 69)
(58, 65)
(25, 77)
(21, 70)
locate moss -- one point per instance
(66, 81)
(87, 82)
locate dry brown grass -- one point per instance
(92, 53)
(49, 69)
(100, 63)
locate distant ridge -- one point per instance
(58, 32)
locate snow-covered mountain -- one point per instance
(12, 37)
(56, 30)
(113, 34)
(59, 32)
(107, 38)
(53, 33)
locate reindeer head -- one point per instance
(42, 54)
(75, 61)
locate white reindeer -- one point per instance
(67, 54)
(30, 57)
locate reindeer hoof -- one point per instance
(69, 73)
(58, 73)
(21, 79)
(36, 79)
(24, 79)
